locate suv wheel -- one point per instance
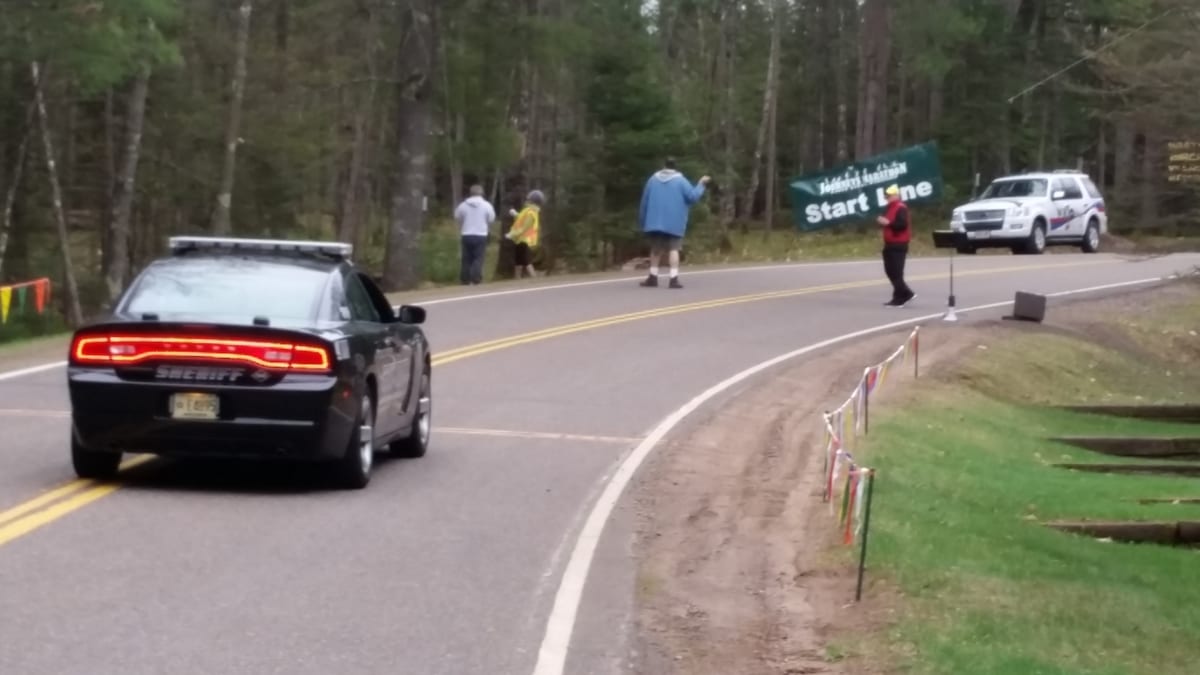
(417, 441)
(1037, 239)
(354, 468)
(92, 464)
(1091, 238)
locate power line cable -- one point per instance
(1093, 54)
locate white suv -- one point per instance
(1029, 212)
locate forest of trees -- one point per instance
(125, 121)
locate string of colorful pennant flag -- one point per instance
(843, 426)
(15, 298)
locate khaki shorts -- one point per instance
(661, 241)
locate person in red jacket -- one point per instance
(897, 232)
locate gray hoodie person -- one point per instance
(475, 216)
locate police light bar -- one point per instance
(336, 249)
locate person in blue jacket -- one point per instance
(666, 201)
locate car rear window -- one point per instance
(229, 287)
(1091, 188)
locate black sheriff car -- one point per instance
(251, 348)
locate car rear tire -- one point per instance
(1036, 245)
(417, 442)
(354, 468)
(92, 464)
(1091, 238)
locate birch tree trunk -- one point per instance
(1148, 213)
(834, 76)
(351, 216)
(401, 267)
(10, 198)
(846, 16)
(874, 55)
(937, 103)
(221, 220)
(769, 87)
(1043, 134)
(1123, 165)
(457, 189)
(74, 311)
(728, 124)
(110, 177)
(117, 274)
(348, 220)
(455, 125)
(772, 150)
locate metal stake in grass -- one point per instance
(952, 240)
(866, 394)
(950, 313)
(862, 555)
(916, 347)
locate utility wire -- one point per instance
(1085, 57)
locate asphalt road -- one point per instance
(448, 564)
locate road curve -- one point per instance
(445, 565)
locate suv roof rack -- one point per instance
(180, 245)
(1077, 172)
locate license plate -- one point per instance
(980, 235)
(195, 406)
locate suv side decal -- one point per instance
(1067, 214)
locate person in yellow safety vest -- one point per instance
(525, 231)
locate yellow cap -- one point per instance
(892, 190)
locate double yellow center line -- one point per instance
(26, 516)
(61, 501)
(481, 348)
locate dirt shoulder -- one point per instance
(32, 353)
(735, 546)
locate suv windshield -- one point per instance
(230, 287)
(1023, 187)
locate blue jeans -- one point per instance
(474, 249)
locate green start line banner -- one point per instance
(855, 192)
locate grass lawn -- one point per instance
(966, 484)
(32, 333)
(788, 244)
(24, 342)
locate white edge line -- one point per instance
(552, 655)
(14, 374)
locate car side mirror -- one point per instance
(1058, 194)
(411, 314)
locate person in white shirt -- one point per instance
(474, 215)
